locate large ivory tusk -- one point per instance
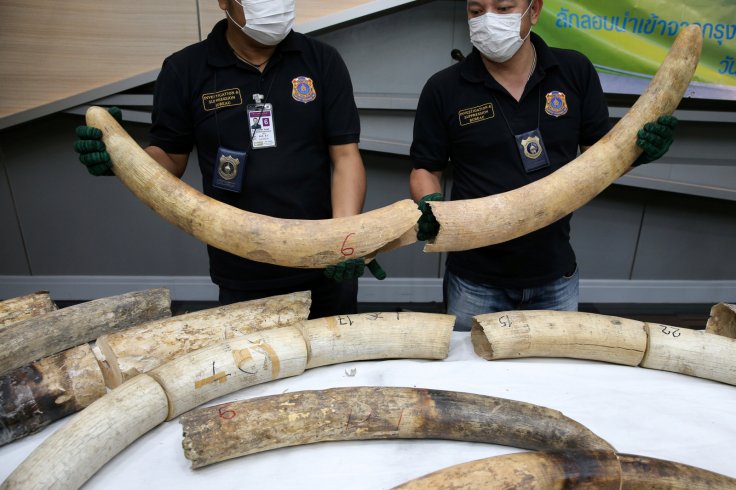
(140, 349)
(41, 336)
(559, 334)
(293, 243)
(231, 430)
(573, 470)
(475, 223)
(722, 320)
(599, 470)
(604, 338)
(24, 307)
(338, 339)
(33, 396)
(90, 439)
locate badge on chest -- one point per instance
(229, 170)
(532, 151)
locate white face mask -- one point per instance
(267, 21)
(497, 36)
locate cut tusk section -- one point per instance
(208, 373)
(388, 335)
(692, 352)
(514, 334)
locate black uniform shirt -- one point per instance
(466, 118)
(201, 99)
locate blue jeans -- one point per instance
(466, 299)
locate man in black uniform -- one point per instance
(512, 112)
(274, 120)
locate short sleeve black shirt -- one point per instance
(467, 119)
(201, 100)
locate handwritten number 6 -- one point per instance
(347, 251)
(226, 414)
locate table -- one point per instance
(639, 411)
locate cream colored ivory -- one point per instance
(559, 334)
(186, 382)
(71, 455)
(230, 430)
(598, 470)
(31, 339)
(291, 243)
(573, 470)
(208, 373)
(338, 339)
(474, 223)
(692, 352)
(605, 338)
(24, 307)
(722, 320)
(139, 349)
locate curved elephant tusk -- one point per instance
(41, 336)
(292, 243)
(231, 430)
(474, 223)
(139, 349)
(604, 338)
(182, 384)
(573, 470)
(722, 320)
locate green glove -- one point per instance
(352, 269)
(655, 139)
(91, 149)
(428, 227)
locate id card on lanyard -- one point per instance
(262, 127)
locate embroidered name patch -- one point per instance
(224, 98)
(476, 114)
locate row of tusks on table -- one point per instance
(568, 450)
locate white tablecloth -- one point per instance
(639, 411)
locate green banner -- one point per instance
(628, 39)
